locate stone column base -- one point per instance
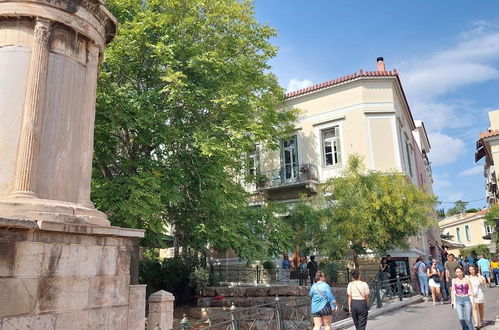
(51, 210)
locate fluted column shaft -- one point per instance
(24, 184)
(87, 134)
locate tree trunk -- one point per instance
(355, 259)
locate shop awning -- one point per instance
(451, 244)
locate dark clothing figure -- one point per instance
(312, 270)
(392, 268)
(359, 314)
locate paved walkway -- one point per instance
(425, 316)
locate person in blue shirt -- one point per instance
(484, 267)
(323, 303)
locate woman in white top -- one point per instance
(358, 300)
(477, 299)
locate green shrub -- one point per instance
(214, 280)
(171, 275)
(199, 279)
(268, 265)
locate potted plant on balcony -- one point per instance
(261, 180)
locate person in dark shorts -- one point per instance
(322, 303)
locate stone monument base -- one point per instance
(57, 275)
(51, 210)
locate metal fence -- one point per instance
(289, 313)
(294, 313)
(260, 275)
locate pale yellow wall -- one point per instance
(381, 134)
(494, 119)
(370, 117)
(476, 227)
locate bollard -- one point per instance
(377, 294)
(185, 323)
(161, 310)
(399, 288)
(279, 316)
(235, 323)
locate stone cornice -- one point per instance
(71, 228)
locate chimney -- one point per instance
(381, 64)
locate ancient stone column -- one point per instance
(49, 55)
(33, 111)
(62, 266)
(87, 135)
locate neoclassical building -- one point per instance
(365, 113)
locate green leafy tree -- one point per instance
(305, 221)
(184, 92)
(369, 210)
(459, 207)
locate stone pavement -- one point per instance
(440, 317)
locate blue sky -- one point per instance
(446, 52)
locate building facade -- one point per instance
(366, 114)
(470, 229)
(488, 148)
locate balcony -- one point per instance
(287, 177)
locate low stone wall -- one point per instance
(251, 296)
(65, 278)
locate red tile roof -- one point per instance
(340, 80)
(489, 133)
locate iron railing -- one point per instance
(294, 313)
(260, 275)
(287, 175)
(289, 313)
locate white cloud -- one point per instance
(296, 84)
(429, 77)
(470, 61)
(445, 149)
(440, 182)
(472, 171)
(439, 115)
(454, 197)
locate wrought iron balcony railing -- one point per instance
(287, 175)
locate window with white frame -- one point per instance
(467, 231)
(331, 146)
(458, 234)
(487, 228)
(409, 160)
(254, 162)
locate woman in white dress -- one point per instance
(477, 299)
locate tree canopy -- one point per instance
(459, 207)
(370, 211)
(184, 92)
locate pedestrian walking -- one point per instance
(392, 268)
(384, 273)
(478, 298)
(450, 270)
(484, 268)
(435, 277)
(494, 267)
(285, 268)
(323, 303)
(358, 300)
(461, 292)
(415, 280)
(302, 271)
(423, 278)
(312, 269)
